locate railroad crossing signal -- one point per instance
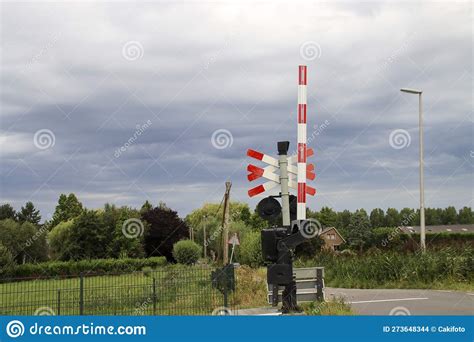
(301, 170)
(268, 172)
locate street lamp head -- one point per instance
(411, 91)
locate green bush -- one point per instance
(251, 250)
(186, 252)
(93, 266)
(389, 268)
(6, 259)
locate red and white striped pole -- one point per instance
(301, 177)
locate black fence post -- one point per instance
(81, 294)
(154, 296)
(59, 302)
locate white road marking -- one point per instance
(386, 300)
(271, 314)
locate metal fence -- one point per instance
(165, 291)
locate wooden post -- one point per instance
(225, 224)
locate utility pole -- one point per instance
(422, 181)
(225, 224)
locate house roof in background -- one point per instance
(327, 229)
(454, 228)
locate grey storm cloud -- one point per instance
(95, 75)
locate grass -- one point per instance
(252, 293)
(251, 287)
(173, 290)
(336, 307)
(187, 290)
(448, 269)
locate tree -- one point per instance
(24, 241)
(392, 218)
(6, 258)
(450, 215)
(165, 228)
(7, 212)
(377, 218)
(126, 231)
(343, 219)
(465, 216)
(60, 240)
(327, 217)
(432, 217)
(87, 237)
(359, 230)
(407, 216)
(146, 206)
(29, 213)
(68, 208)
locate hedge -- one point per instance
(92, 266)
(186, 252)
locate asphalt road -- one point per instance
(405, 302)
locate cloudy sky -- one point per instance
(122, 102)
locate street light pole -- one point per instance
(422, 181)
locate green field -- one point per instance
(165, 291)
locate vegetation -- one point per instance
(337, 307)
(447, 268)
(25, 241)
(74, 268)
(186, 252)
(251, 250)
(170, 290)
(164, 229)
